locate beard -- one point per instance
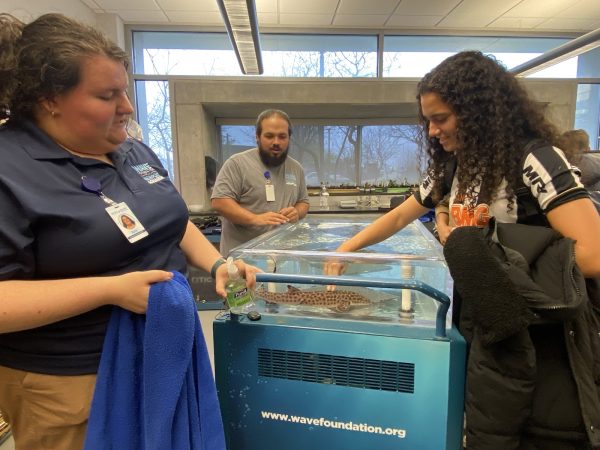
(272, 160)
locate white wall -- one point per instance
(27, 10)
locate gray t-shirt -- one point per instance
(242, 178)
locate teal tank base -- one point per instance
(300, 383)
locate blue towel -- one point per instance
(155, 389)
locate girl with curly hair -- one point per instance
(479, 121)
(492, 154)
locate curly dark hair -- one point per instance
(575, 143)
(10, 31)
(495, 121)
(43, 58)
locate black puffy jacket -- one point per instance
(533, 324)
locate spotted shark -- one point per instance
(338, 300)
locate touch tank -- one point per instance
(305, 247)
(363, 367)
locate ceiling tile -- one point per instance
(91, 4)
(359, 20)
(516, 23)
(426, 7)
(306, 20)
(370, 7)
(491, 8)
(413, 21)
(563, 24)
(263, 6)
(149, 17)
(307, 6)
(187, 5)
(471, 14)
(582, 10)
(466, 21)
(198, 18)
(129, 5)
(532, 8)
(267, 19)
(539, 15)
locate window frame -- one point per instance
(380, 35)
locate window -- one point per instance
(171, 53)
(183, 53)
(414, 56)
(154, 117)
(343, 155)
(296, 55)
(187, 53)
(587, 112)
(390, 153)
(337, 153)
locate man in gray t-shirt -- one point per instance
(260, 188)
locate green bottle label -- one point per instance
(239, 298)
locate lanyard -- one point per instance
(269, 187)
(120, 213)
(92, 185)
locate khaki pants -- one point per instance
(46, 412)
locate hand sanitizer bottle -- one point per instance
(324, 198)
(240, 299)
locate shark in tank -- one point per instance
(338, 300)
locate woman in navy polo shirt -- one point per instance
(68, 175)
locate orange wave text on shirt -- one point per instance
(466, 216)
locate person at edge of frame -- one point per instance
(261, 188)
(68, 172)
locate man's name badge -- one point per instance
(130, 226)
(270, 192)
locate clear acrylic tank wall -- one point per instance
(304, 248)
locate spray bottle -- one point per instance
(324, 197)
(240, 299)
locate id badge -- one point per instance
(270, 192)
(126, 222)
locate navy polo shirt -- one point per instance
(50, 228)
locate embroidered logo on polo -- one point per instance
(290, 179)
(148, 173)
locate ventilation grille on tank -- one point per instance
(339, 370)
